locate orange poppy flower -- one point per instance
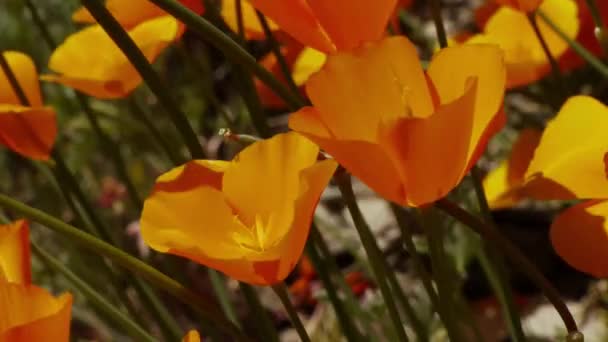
(108, 75)
(504, 185)
(133, 12)
(330, 25)
(192, 336)
(15, 252)
(524, 56)
(248, 217)
(27, 313)
(27, 130)
(521, 5)
(571, 162)
(408, 135)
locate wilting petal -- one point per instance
(273, 165)
(192, 336)
(451, 69)
(251, 23)
(522, 5)
(15, 265)
(580, 236)
(25, 71)
(502, 184)
(525, 58)
(431, 152)
(29, 313)
(109, 75)
(133, 12)
(28, 131)
(330, 26)
(355, 91)
(573, 152)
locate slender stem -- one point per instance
(12, 79)
(516, 256)
(141, 116)
(112, 150)
(349, 329)
(443, 274)
(600, 28)
(252, 101)
(439, 27)
(229, 47)
(596, 63)
(276, 49)
(419, 328)
(371, 248)
(203, 306)
(95, 298)
(259, 314)
(46, 35)
(218, 282)
(152, 79)
(555, 70)
(240, 27)
(281, 291)
(407, 236)
(494, 266)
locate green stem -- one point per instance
(555, 70)
(408, 239)
(421, 331)
(600, 28)
(371, 248)
(218, 282)
(240, 27)
(158, 279)
(142, 117)
(349, 329)
(143, 67)
(259, 314)
(597, 64)
(281, 291)
(515, 255)
(229, 47)
(96, 299)
(443, 274)
(12, 80)
(46, 35)
(439, 27)
(112, 150)
(276, 49)
(494, 266)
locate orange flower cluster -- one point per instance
(27, 312)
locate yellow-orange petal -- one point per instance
(356, 91)
(193, 174)
(15, 265)
(522, 5)
(580, 236)
(29, 313)
(273, 165)
(367, 161)
(133, 12)
(349, 23)
(573, 153)
(450, 71)
(307, 63)
(251, 23)
(29, 131)
(431, 153)
(502, 184)
(192, 336)
(525, 58)
(109, 75)
(25, 71)
(296, 18)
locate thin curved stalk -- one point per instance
(95, 298)
(281, 291)
(203, 306)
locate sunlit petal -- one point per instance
(24, 70)
(29, 131)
